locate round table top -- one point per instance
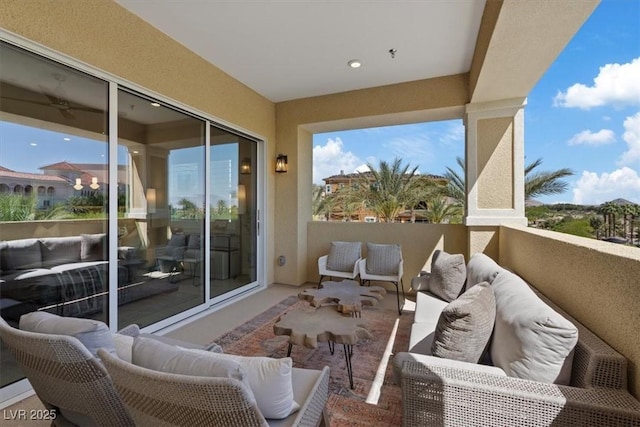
(308, 326)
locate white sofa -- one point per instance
(537, 376)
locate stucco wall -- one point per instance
(598, 283)
(418, 242)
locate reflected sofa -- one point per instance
(65, 276)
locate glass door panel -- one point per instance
(233, 239)
(161, 181)
(53, 192)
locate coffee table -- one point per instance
(308, 326)
(348, 294)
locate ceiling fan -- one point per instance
(57, 99)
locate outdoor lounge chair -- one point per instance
(159, 398)
(384, 263)
(341, 261)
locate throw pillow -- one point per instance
(530, 339)
(465, 325)
(343, 255)
(271, 383)
(93, 247)
(93, 334)
(448, 274)
(22, 254)
(159, 356)
(383, 260)
(480, 269)
(60, 250)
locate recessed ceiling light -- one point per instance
(67, 139)
(33, 144)
(155, 104)
(354, 63)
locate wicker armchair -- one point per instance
(442, 396)
(67, 378)
(162, 399)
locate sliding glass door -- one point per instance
(233, 237)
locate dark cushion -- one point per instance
(60, 250)
(21, 254)
(93, 247)
(465, 325)
(448, 274)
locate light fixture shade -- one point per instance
(245, 166)
(78, 185)
(151, 200)
(242, 199)
(94, 183)
(281, 163)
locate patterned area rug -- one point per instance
(345, 407)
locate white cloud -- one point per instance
(330, 159)
(415, 150)
(616, 84)
(586, 137)
(632, 137)
(594, 189)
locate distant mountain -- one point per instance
(622, 202)
(532, 203)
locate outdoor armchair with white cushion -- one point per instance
(161, 398)
(383, 263)
(66, 377)
(341, 261)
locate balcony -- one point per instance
(595, 282)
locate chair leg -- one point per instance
(320, 281)
(398, 296)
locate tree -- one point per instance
(536, 183)
(440, 212)
(390, 192)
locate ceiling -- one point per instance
(296, 49)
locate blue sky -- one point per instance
(584, 114)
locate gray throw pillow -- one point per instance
(93, 334)
(383, 260)
(465, 325)
(93, 247)
(343, 255)
(448, 275)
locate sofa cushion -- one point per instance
(383, 260)
(448, 274)
(343, 255)
(60, 250)
(271, 383)
(157, 355)
(465, 325)
(21, 254)
(530, 339)
(480, 269)
(93, 247)
(93, 334)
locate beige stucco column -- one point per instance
(494, 170)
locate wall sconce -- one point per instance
(281, 163)
(242, 199)
(245, 166)
(94, 183)
(78, 185)
(151, 200)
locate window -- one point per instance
(327, 189)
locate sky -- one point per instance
(584, 114)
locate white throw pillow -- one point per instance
(93, 334)
(270, 381)
(530, 339)
(159, 356)
(124, 346)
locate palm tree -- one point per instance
(349, 199)
(536, 183)
(422, 191)
(440, 211)
(390, 192)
